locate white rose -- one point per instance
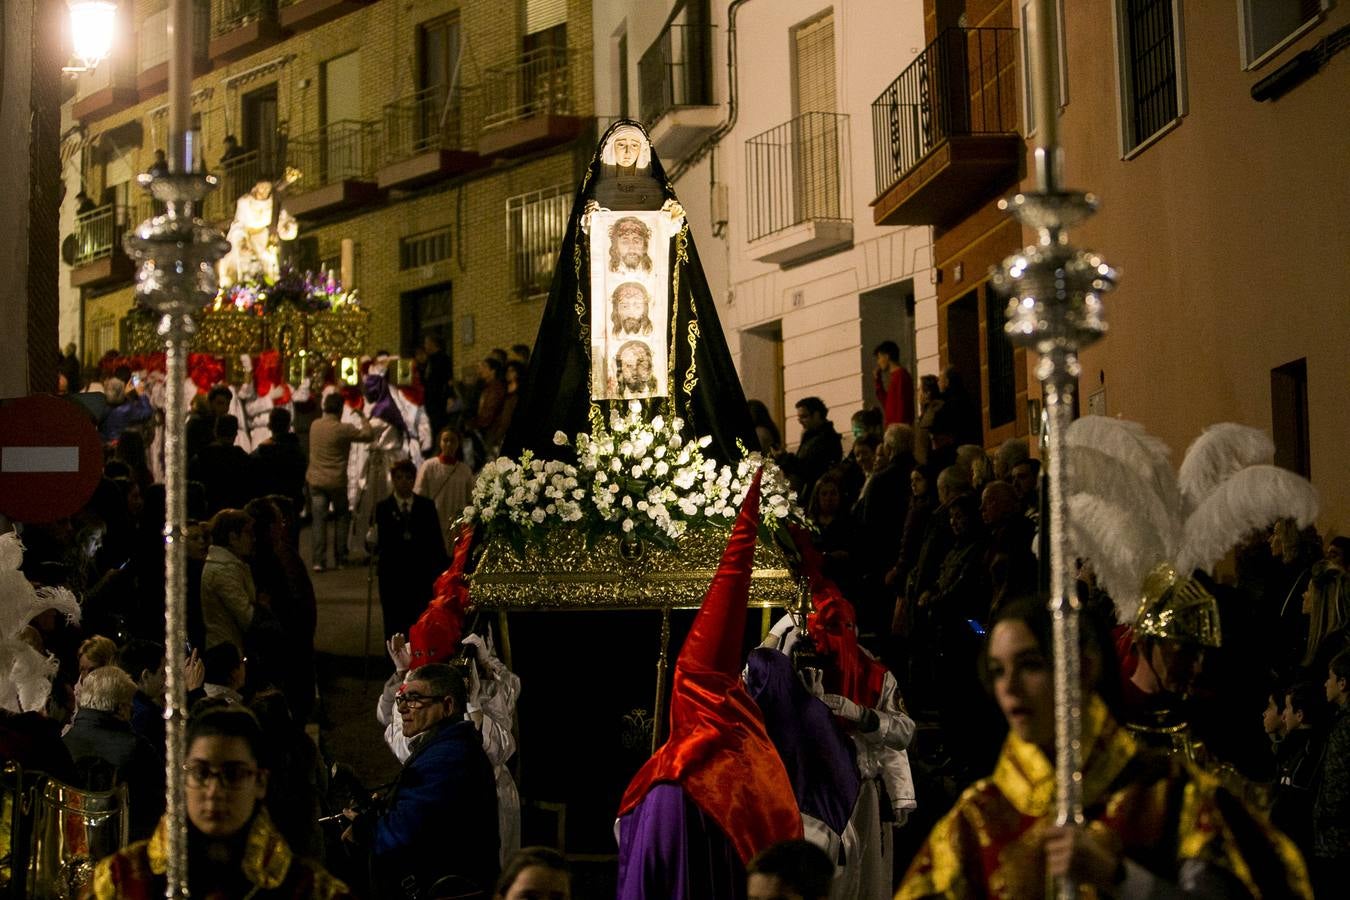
(660, 469)
(538, 515)
(578, 494)
(560, 438)
(658, 423)
(627, 525)
(616, 464)
(637, 471)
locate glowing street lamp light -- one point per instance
(91, 30)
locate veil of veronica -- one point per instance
(629, 316)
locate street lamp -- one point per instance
(91, 30)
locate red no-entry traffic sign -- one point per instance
(51, 458)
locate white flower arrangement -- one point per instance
(635, 478)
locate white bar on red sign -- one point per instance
(39, 459)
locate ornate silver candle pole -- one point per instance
(177, 277)
(1054, 307)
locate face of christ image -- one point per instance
(633, 369)
(630, 309)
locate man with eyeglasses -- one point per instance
(435, 834)
(234, 850)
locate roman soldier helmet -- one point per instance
(1143, 526)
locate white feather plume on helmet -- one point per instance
(1145, 528)
(25, 674)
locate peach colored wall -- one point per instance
(1232, 234)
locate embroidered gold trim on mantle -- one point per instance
(564, 574)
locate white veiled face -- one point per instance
(626, 147)
(626, 151)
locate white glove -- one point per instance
(673, 209)
(478, 644)
(589, 209)
(475, 699)
(843, 707)
(399, 652)
(901, 816)
(814, 681)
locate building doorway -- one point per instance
(426, 311)
(762, 367)
(963, 344)
(885, 314)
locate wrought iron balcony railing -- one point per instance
(676, 70)
(798, 172)
(540, 83)
(227, 15)
(98, 233)
(962, 84)
(337, 152)
(429, 120)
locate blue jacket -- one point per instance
(440, 818)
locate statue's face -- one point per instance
(627, 150)
(262, 190)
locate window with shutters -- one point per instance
(1268, 26)
(817, 140)
(535, 225)
(813, 65)
(1152, 74)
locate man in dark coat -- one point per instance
(411, 551)
(438, 824)
(280, 462)
(436, 376)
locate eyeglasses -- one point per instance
(230, 775)
(415, 701)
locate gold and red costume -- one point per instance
(269, 869)
(1155, 808)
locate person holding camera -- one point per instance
(435, 832)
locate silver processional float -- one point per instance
(1054, 308)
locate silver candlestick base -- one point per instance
(177, 277)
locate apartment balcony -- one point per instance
(530, 104)
(297, 15)
(106, 90)
(945, 133)
(242, 27)
(152, 46)
(238, 176)
(429, 137)
(800, 205)
(99, 259)
(675, 95)
(337, 169)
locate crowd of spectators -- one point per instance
(929, 535)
